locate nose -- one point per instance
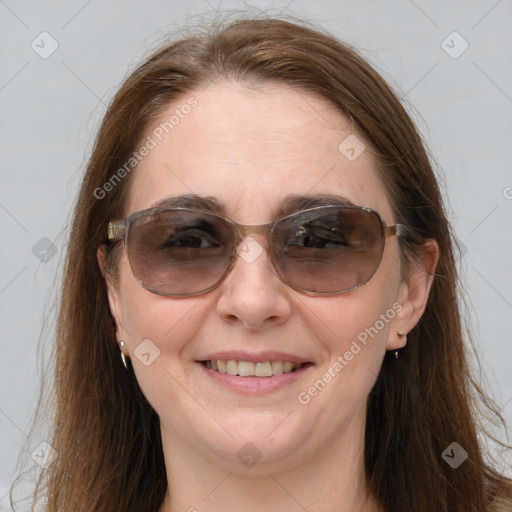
(252, 294)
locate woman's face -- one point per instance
(250, 149)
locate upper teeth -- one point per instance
(250, 369)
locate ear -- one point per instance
(413, 295)
(114, 299)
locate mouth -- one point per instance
(260, 376)
(252, 369)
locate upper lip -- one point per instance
(255, 357)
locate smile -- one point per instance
(251, 369)
(253, 373)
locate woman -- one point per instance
(259, 309)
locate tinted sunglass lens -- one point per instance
(179, 252)
(329, 250)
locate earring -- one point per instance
(123, 358)
(401, 334)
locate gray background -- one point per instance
(50, 108)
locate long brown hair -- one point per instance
(105, 432)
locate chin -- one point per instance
(259, 440)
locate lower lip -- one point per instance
(255, 385)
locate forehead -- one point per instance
(251, 149)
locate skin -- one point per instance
(250, 148)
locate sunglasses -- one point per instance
(182, 252)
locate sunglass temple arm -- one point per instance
(397, 229)
(116, 229)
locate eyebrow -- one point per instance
(290, 204)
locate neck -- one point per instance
(333, 480)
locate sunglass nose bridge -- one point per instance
(258, 230)
(245, 230)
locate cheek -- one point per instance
(353, 329)
(156, 328)
(363, 315)
(355, 339)
(161, 332)
(167, 322)
(150, 316)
